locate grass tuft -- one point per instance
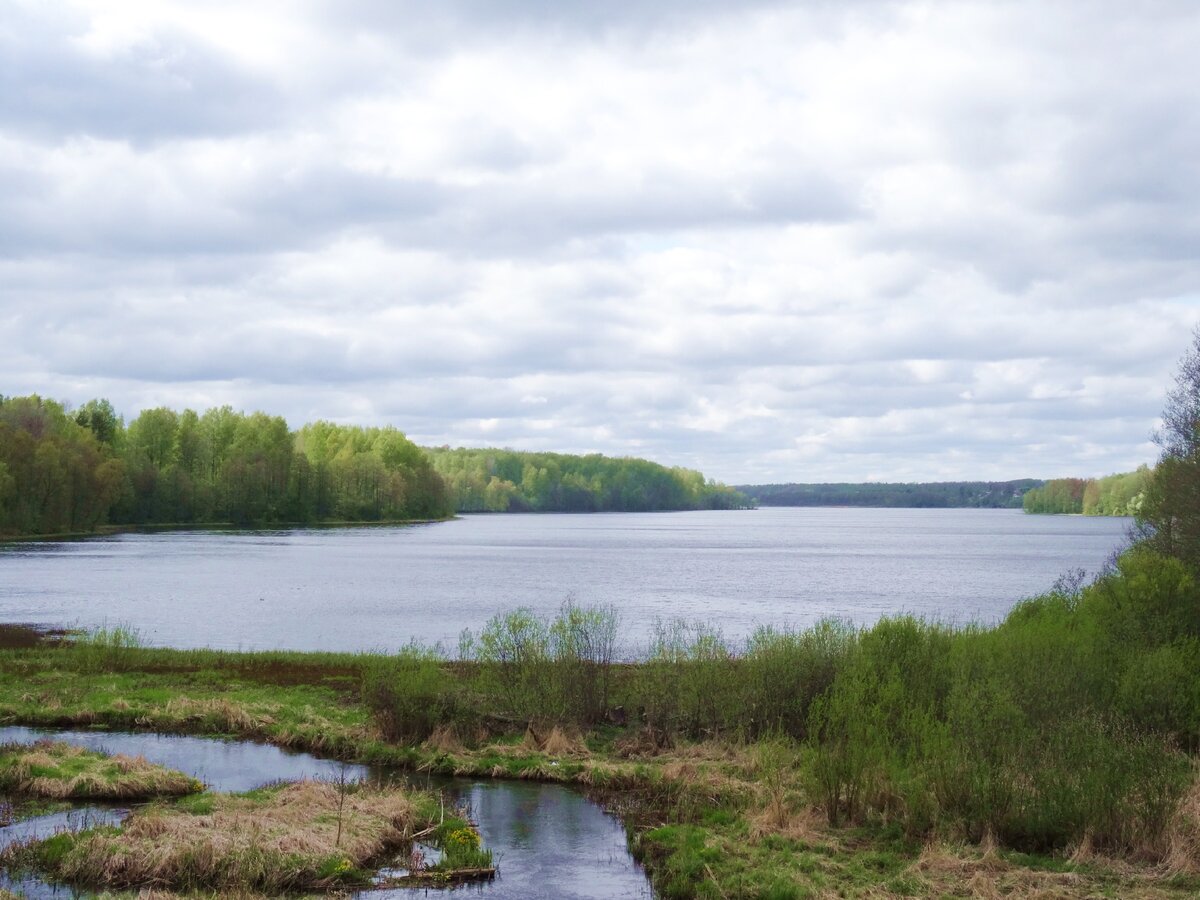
(58, 771)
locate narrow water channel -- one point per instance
(548, 840)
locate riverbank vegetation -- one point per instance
(921, 495)
(57, 771)
(70, 471)
(1114, 495)
(1056, 748)
(282, 838)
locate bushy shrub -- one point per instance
(784, 671)
(409, 694)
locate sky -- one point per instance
(772, 241)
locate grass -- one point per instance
(300, 836)
(56, 771)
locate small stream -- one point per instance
(548, 840)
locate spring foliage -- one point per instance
(69, 471)
(492, 480)
(1115, 495)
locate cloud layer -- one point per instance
(777, 243)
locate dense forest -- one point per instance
(1115, 495)
(493, 480)
(70, 471)
(975, 494)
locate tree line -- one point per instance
(942, 494)
(1121, 494)
(68, 470)
(492, 480)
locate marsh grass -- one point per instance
(57, 771)
(300, 836)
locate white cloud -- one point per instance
(776, 243)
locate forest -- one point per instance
(1114, 495)
(69, 471)
(943, 494)
(494, 480)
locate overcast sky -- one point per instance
(775, 242)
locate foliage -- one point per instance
(556, 670)
(63, 472)
(1171, 510)
(492, 480)
(409, 694)
(55, 474)
(1057, 496)
(1114, 495)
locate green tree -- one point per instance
(1170, 510)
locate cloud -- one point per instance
(838, 241)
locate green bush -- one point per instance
(410, 694)
(784, 671)
(583, 647)
(1159, 690)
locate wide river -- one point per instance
(377, 588)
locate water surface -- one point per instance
(377, 588)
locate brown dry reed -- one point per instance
(59, 771)
(279, 839)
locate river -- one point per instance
(377, 588)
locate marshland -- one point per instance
(1051, 752)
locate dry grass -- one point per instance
(230, 717)
(59, 771)
(782, 820)
(444, 739)
(644, 743)
(1183, 837)
(561, 743)
(982, 872)
(306, 835)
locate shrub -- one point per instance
(409, 694)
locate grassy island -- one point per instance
(284, 838)
(57, 771)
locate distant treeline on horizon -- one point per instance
(73, 470)
(937, 494)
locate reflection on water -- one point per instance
(228, 766)
(377, 588)
(548, 840)
(76, 819)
